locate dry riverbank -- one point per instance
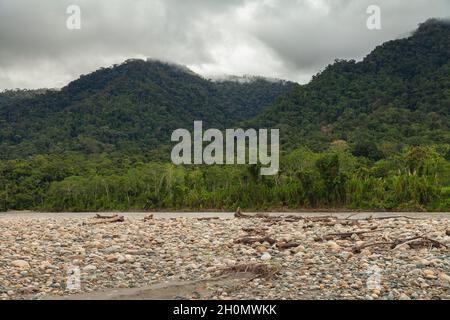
(209, 214)
(297, 256)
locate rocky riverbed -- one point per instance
(257, 257)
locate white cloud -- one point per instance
(290, 39)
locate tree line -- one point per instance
(418, 178)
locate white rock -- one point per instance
(90, 268)
(266, 256)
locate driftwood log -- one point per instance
(414, 241)
(349, 234)
(98, 216)
(207, 218)
(260, 270)
(287, 245)
(102, 220)
(256, 231)
(252, 240)
(329, 220)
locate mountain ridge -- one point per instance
(131, 107)
(397, 95)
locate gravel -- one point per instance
(60, 256)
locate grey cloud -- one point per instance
(308, 38)
(290, 39)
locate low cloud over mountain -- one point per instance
(290, 39)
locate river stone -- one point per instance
(266, 257)
(333, 246)
(445, 278)
(429, 274)
(261, 249)
(111, 249)
(21, 264)
(90, 268)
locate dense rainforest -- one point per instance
(373, 134)
(398, 96)
(127, 109)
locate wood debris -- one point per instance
(259, 269)
(252, 240)
(98, 219)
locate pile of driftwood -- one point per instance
(99, 219)
(258, 235)
(413, 242)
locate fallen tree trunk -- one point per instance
(348, 234)
(287, 245)
(393, 217)
(260, 270)
(98, 216)
(208, 218)
(418, 241)
(96, 221)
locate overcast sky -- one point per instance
(290, 39)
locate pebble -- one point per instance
(423, 262)
(333, 246)
(429, 274)
(111, 258)
(21, 264)
(298, 249)
(90, 268)
(445, 278)
(111, 249)
(404, 297)
(266, 256)
(261, 249)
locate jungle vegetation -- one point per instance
(373, 134)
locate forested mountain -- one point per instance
(127, 109)
(398, 95)
(13, 96)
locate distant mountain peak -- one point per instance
(246, 79)
(433, 24)
(177, 66)
(129, 107)
(158, 63)
(396, 96)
